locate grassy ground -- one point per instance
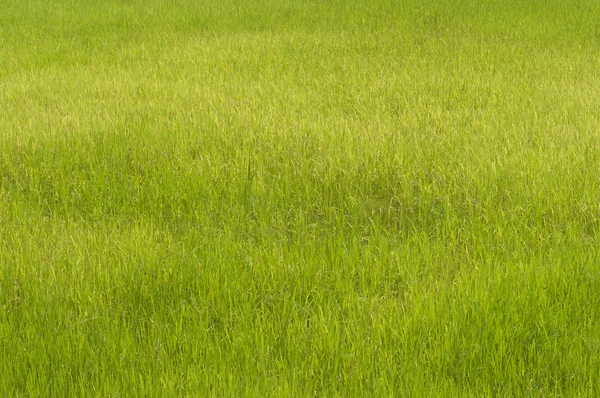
(304, 198)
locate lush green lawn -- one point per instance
(299, 198)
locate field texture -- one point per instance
(299, 198)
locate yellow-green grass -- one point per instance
(322, 198)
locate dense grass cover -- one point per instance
(299, 198)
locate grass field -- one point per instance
(299, 198)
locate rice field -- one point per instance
(299, 198)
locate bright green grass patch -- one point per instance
(299, 199)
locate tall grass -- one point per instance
(299, 199)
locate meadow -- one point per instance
(299, 198)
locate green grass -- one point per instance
(303, 198)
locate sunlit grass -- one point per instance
(307, 199)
